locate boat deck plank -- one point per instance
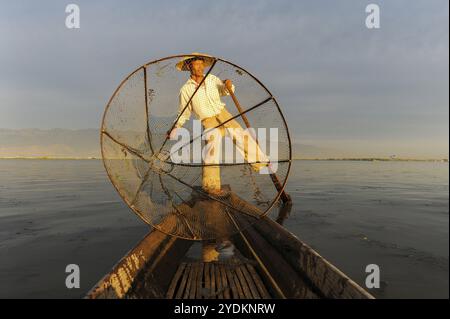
(257, 280)
(200, 281)
(240, 294)
(193, 281)
(183, 282)
(243, 283)
(221, 280)
(226, 284)
(176, 278)
(189, 274)
(207, 277)
(250, 282)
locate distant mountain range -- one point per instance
(49, 143)
(85, 143)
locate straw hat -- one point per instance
(182, 65)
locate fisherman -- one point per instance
(207, 105)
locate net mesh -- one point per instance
(144, 164)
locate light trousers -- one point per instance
(244, 141)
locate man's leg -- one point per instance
(211, 157)
(211, 182)
(247, 145)
(244, 141)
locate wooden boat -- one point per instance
(269, 262)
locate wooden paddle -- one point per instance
(286, 198)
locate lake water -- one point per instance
(354, 213)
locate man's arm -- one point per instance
(183, 99)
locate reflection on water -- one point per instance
(394, 214)
(284, 210)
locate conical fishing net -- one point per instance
(163, 180)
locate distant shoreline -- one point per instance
(375, 159)
(48, 158)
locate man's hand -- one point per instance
(228, 84)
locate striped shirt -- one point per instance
(206, 102)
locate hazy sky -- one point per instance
(369, 92)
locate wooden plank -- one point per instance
(279, 276)
(225, 285)
(199, 293)
(250, 282)
(182, 286)
(258, 282)
(213, 281)
(244, 285)
(189, 282)
(231, 282)
(193, 289)
(153, 251)
(219, 285)
(307, 261)
(175, 280)
(238, 285)
(207, 281)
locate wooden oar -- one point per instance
(286, 198)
